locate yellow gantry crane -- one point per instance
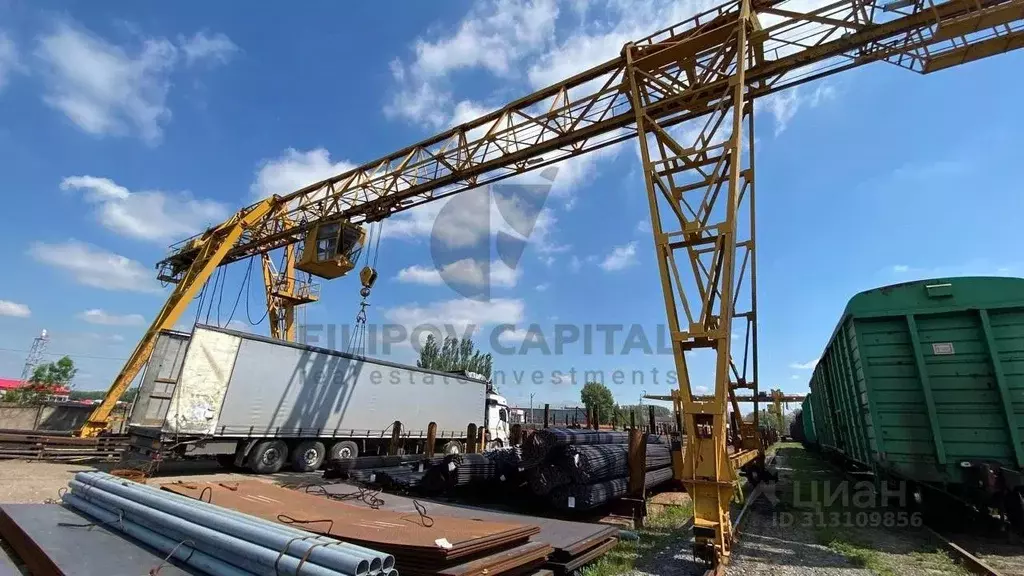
(686, 93)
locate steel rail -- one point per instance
(968, 561)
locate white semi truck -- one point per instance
(263, 404)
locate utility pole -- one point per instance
(531, 406)
(35, 355)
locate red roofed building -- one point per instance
(8, 384)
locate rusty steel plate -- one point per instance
(501, 562)
(568, 538)
(410, 536)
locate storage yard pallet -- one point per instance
(61, 448)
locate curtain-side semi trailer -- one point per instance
(260, 403)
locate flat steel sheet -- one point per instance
(8, 566)
(585, 558)
(47, 547)
(567, 538)
(427, 537)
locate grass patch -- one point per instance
(860, 545)
(659, 530)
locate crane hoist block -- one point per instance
(331, 249)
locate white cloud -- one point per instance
(643, 226)
(494, 37)
(294, 170)
(417, 274)
(804, 365)
(460, 314)
(213, 48)
(597, 40)
(543, 287)
(701, 390)
(794, 377)
(8, 308)
(900, 268)
(621, 257)
(467, 111)
(95, 267)
(10, 61)
(104, 89)
(575, 264)
(467, 272)
(147, 215)
(104, 318)
(784, 105)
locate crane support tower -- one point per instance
(35, 355)
(686, 93)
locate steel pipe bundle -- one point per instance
(587, 496)
(211, 536)
(587, 464)
(542, 442)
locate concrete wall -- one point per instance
(49, 417)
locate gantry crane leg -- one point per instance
(697, 194)
(280, 311)
(212, 247)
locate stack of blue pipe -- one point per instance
(216, 540)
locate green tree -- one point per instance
(454, 355)
(623, 411)
(597, 395)
(45, 380)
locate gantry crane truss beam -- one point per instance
(742, 399)
(687, 92)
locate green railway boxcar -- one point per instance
(924, 381)
(807, 421)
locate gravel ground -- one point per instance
(818, 545)
(35, 482)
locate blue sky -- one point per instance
(127, 126)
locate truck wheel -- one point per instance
(308, 456)
(453, 447)
(344, 449)
(268, 457)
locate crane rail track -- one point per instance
(736, 526)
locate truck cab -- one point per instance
(497, 420)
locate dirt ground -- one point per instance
(36, 482)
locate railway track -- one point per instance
(990, 555)
(984, 555)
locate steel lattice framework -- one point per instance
(686, 92)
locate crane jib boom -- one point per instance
(700, 77)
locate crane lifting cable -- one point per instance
(367, 278)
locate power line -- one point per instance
(60, 354)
